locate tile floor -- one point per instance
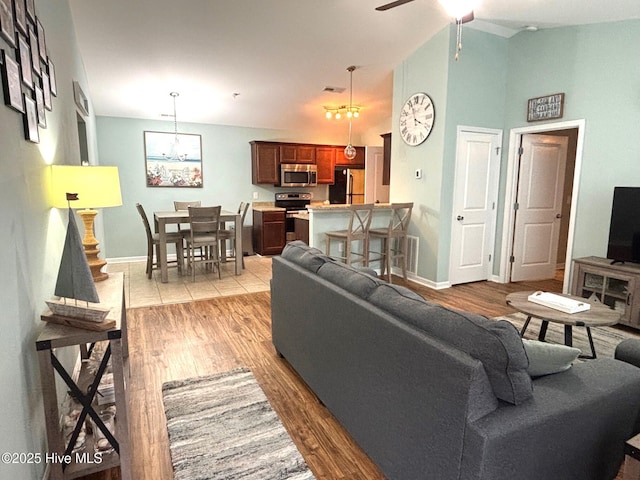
(143, 292)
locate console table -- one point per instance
(54, 336)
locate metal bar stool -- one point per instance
(393, 240)
(358, 231)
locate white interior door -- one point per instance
(538, 207)
(474, 205)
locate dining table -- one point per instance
(163, 218)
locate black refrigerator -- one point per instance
(348, 187)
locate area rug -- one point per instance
(223, 427)
(605, 339)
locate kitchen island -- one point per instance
(329, 217)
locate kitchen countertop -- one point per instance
(341, 206)
(301, 216)
(266, 207)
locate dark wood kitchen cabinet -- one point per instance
(265, 163)
(268, 231)
(294, 153)
(326, 163)
(357, 161)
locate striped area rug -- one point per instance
(223, 427)
(605, 339)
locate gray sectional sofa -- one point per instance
(431, 393)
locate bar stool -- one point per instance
(358, 230)
(393, 239)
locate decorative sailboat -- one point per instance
(78, 298)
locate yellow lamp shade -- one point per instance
(96, 186)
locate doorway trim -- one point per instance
(515, 136)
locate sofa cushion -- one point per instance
(307, 257)
(548, 358)
(356, 281)
(496, 344)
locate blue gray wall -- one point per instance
(595, 66)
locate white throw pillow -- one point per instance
(547, 358)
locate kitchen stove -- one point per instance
(293, 203)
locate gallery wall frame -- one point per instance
(11, 83)
(7, 26)
(167, 167)
(30, 120)
(24, 52)
(20, 16)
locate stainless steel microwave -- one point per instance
(298, 175)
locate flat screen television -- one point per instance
(624, 231)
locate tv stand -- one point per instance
(614, 284)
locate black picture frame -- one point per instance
(52, 78)
(24, 52)
(7, 26)
(35, 56)
(11, 83)
(46, 91)
(42, 44)
(31, 10)
(42, 115)
(20, 16)
(30, 120)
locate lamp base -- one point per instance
(90, 244)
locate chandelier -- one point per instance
(176, 152)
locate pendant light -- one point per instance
(349, 150)
(176, 151)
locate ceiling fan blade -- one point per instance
(387, 6)
(467, 18)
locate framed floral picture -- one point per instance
(30, 119)
(171, 163)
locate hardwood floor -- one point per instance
(203, 337)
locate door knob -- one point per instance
(558, 215)
(459, 218)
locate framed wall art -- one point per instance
(31, 9)
(171, 165)
(35, 55)
(7, 26)
(42, 45)
(20, 16)
(42, 116)
(52, 78)
(11, 83)
(46, 91)
(545, 108)
(25, 61)
(30, 119)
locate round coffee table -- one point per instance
(598, 315)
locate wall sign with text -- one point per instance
(545, 108)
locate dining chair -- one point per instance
(204, 227)
(358, 231)
(230, 234)
(393, 240)
(153, 240)
(184, 231)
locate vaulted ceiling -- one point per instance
(265, 63)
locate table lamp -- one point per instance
(97, 187)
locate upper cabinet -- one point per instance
(326, 162)
(293, 153)
(266, 158)
(265, 163)
(357, 161)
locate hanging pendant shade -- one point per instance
(350, 151)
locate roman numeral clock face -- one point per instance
(416, 119)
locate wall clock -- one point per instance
(416, 119)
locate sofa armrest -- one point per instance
(575, 426)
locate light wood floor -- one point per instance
(203, 337)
